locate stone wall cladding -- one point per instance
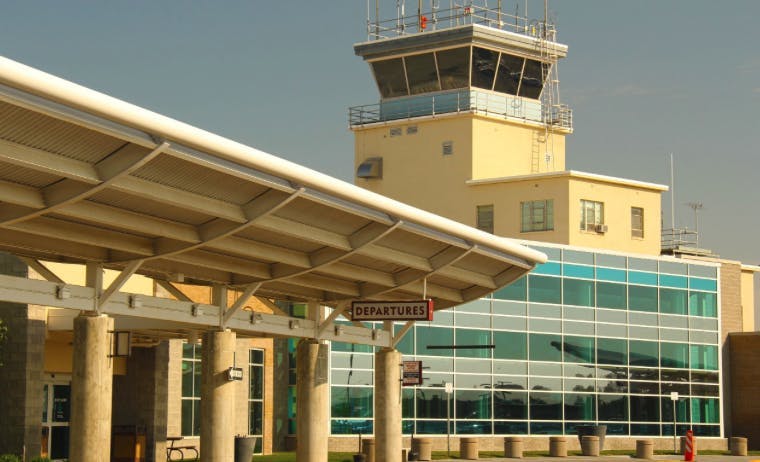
(745, 380)
(731, 320)
(350, 443)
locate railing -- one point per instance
(681, 241)
(457, 15)
(467, 100)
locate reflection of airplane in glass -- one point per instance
(604, 356)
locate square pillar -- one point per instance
(388, 405)
(91, 389)
(217, 397)
(312, 394)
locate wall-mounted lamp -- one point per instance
(294, 324)
(374, 334)
(62, 292)
(122, 344)
(196, 310)
(338, 330)
(256, 318)
(135, 302)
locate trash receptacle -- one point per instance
(244, 446)
(592, 430)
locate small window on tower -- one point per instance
(485, 218)
(448, 148)
(637, 222)
(396, 131)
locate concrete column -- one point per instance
(312, 394)
(91, 389)
(388, 405)
(217, 397)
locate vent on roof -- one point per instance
(411, 130)
(448, 148)
(396, 131)
(370, 168)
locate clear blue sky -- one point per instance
(645, 78)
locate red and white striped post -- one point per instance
(688, 451)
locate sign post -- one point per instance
(449, 390)
(674, 398)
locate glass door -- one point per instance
(56, 396)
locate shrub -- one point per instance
(10, 458)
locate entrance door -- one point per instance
(55, 418)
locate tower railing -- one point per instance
(456, 14)
(466, 100)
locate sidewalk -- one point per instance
(699, 458)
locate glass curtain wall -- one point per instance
(586, 338)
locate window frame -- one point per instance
(486, 226)
(598, 217)
(637, 233)
(194, 362)
(547, 215)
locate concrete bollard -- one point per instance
(368, 449)
(423, 447)
(590, 446)
(468, 448)
(513, 447)
(558, 446)
(644, 449)
(738, 446)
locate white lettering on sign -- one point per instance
(392, 311)
(412, 373)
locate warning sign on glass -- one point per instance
(412, 373)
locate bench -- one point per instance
(180, 448)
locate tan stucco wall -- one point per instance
(748, 300)
(618, 200)
(508, 149)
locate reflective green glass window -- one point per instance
(351, 347)
(703, 284)
(613, 407)
(545, 347)
(703, 304)
(674, 355)
(544, 289)
(421, 73)
(473, 404)
(609, 274)
(611, 351)
(705, 410)
(668, 280)
(704, 357)
(552, 268)
(643, 353)
(406, 345)
(508, 77)
(682, 411)
(578, 292)
(510, 345)
(518, 290)
(508, 404)
(431, 404)
(640, 277)
(673, 301)
(578, 271)
(578, 349)
(580, 407)
(483, 67)
(545, 406)
(434, 336)
(609, 295)
(475, 338)
(390, 77)
(407, 402)
(645, 408)
(642, 298)
(453, 67)
(351, 401)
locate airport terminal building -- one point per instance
(168, 292)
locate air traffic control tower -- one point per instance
(470, 126)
